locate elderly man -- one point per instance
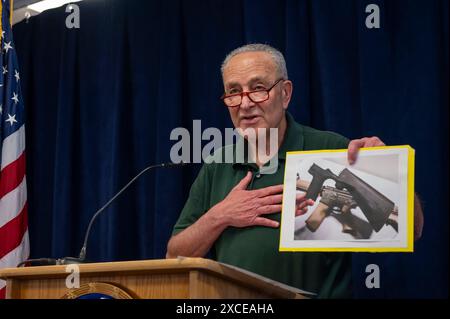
(233, 211)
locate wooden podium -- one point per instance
(182, 278)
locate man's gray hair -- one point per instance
(276, 55)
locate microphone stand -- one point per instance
(82, 256)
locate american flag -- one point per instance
(14, 242)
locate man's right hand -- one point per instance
(242, 207)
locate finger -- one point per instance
(271, 200)
(300, 197)
(302, 207)
(302, 185)
(300, 212)
(242, 185)
(374, 141)
(306, 203)
(266, 191)
(268, 209)
(353, 149)
(261, 221)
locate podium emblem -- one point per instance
(97, 290)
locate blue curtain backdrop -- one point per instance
(102, 100)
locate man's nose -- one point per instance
(246, 103)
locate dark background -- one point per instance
(102, 100)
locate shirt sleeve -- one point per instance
(323, 140)
(196, 204)
(332, 140)
(338, 141)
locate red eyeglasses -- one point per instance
(257, 96)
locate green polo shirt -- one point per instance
(256, 248)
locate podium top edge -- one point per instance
(155, 266)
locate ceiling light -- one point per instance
(49, 4)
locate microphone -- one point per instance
(82, 256)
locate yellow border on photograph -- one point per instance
(410, 209)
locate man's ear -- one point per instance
(286, 93)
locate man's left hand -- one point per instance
(355, 145)
(352, 154)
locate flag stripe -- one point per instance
(12, 203)
(12, 175)
(13, 146)
(11, 234)
(17, 255)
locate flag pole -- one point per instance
(11, 12)
(1, 19)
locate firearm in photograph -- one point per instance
(339, 203)
(375, 206)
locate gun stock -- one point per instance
(374, 205)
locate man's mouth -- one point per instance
(249, 119)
